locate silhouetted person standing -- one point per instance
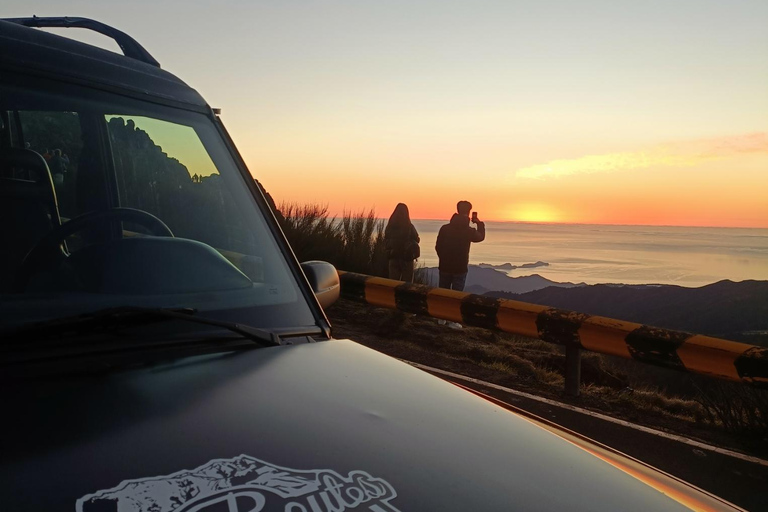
(401, 242)
(453, 242)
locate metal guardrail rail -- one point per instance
(677, 350)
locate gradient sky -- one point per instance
(652, 112)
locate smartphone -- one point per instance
(474, 217)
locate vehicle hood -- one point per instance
(322, 427)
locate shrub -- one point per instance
(310, 232)
(737, 407)
(354, 243)
(363, 243)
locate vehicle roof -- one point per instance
(33, 51)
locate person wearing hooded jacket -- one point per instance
(453, 242)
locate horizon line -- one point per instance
(605, 224)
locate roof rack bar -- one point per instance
(131, 48)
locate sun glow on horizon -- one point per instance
(534, 212)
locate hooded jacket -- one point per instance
(453, 243)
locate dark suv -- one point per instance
(163, 350)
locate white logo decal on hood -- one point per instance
(245, 484)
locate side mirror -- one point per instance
(324, 281)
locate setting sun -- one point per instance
(534, 212)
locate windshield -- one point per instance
(110, 202)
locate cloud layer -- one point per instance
(678, 154)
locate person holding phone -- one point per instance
(453, 242)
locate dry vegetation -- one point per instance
(355, 242)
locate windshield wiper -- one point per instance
(130, 316)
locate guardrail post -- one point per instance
(572, 370)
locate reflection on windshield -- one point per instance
(175, 142)
(184, 190)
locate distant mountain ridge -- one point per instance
(726, 309)
(482, 279)
(509, 266)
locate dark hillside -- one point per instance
(737, 311)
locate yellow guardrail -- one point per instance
(676, 350)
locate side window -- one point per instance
(164, 169)
(57, 136)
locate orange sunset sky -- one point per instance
(595, 111)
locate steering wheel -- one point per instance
(47, 251)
